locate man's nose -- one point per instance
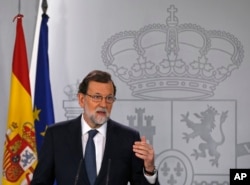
(103, 103)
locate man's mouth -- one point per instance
(101, 113)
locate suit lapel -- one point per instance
(74, 142)
(106, 162)
(75, 145)
(75, 139)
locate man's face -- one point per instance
(96, 111)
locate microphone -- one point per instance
(108, 171)
(78, 172)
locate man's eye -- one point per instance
(109, 98)
(97, 97)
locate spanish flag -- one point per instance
(20, 156)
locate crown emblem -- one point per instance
(172, 60)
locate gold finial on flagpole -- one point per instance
(44, 6)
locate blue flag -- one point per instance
(43, 104)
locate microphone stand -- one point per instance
(108, 171)
(78, 172)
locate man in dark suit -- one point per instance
(121, 156)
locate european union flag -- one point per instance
(43, 104)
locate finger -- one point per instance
(143, 139)
(142, 142)
(141, 146)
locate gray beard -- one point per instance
(99, 121)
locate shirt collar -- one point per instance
(85, 128)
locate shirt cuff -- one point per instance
(150, 179)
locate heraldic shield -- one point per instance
(194, 141)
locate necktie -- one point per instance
(90, 160)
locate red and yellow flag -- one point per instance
(20, 156)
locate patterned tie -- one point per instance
(90, 160)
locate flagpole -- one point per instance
(19, 6)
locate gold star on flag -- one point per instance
(36, 113)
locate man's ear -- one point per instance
(81, 99)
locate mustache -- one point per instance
(99, 109)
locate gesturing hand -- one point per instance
(145, 151)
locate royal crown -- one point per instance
(172, 60)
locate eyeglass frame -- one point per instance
(96, 96)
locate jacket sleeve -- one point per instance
(44, 171)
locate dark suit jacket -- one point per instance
(61, 157)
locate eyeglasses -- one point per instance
(99, 98)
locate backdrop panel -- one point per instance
(181, 68)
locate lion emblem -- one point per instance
(203, 130)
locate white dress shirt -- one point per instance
(100, 141)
